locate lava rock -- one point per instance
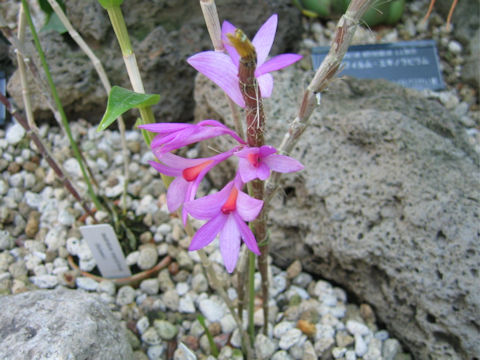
(60, 324)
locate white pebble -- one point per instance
(357, 328)
(290, 338)
(14, 134)
(455, 47)
(142, 324)
(212, 310)
(44, 281)
(86, 283)
(360, 346)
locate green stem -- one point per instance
(58, 103)
(251, 296)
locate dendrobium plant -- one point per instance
(227, 211)
(222, 68)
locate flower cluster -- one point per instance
(227, 211)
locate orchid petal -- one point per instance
(248, 207)
(247, 235)
(265, 83)
(208, 206)
(282, 163)
(229, 28)
(176, 193)
(164, 127)
(166, 170)
(246, 170)
(230, 243)
(219, 68)
(207, 233)
(263, 39)
(175, 161)
(263, 171)
(276, 63)
(266, 150)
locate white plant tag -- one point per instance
(106, 250)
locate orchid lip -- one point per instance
(191, 173)
(231, 203)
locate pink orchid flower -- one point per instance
(257, 162)
(172, 136)
(222, 69)
(226, 212)
(188, 175)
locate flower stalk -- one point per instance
(255, 119)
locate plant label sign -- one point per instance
(413, 64)
(106, 250)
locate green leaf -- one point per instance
(107, 4)
(53, 23)
(211, 342)
(121, 100)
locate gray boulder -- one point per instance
(387, 206)
(60, 324)
(163, 33)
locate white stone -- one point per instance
(182, 288)
(132, 258)
(55, 238)
(3, 187)
(350, 355)
(44, 281)
(357, 328)
(87, 265)
(6, 240)
(149, 286)
(212, 310)
(338, 352)
(107, 287)
(14, 134)
(72, 167)
(228, 324)
(361, 347)
(186, 305)
(282, 328)
(455, 47)
(290, 338)
(264, 347)
(125, 295)
(142, 324)
(86, 283)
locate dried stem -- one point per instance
(105, 82)
(325, 74)
(22, 24)
(43, 150)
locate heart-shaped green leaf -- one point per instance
(121, 100)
